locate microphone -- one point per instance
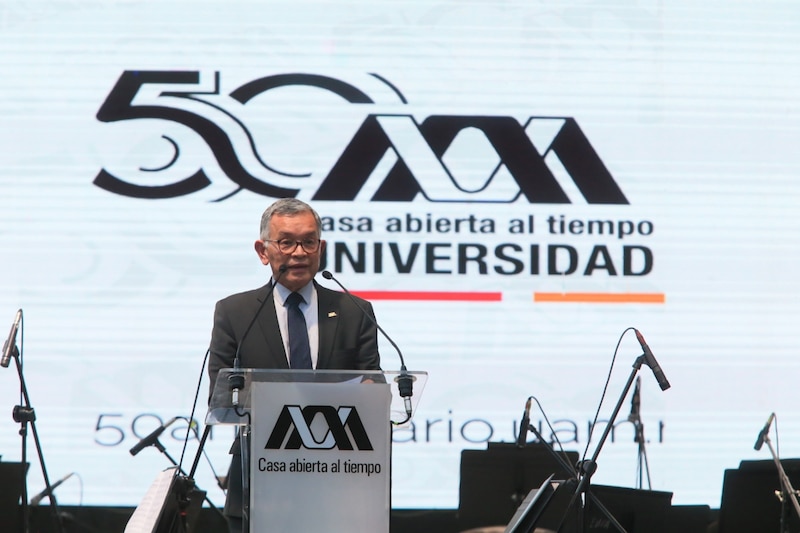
(405, 381)
(47, 492)
(650, 360)
(8, 347)
(523, 425)
(152, 437)
(762, 435)
(236, 379)
(635, 401)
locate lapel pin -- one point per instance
(332, 314)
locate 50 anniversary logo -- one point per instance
(519, 169)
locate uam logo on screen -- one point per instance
(341, 429)
(519, 159)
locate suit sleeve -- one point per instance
(222, 351)
(368, 356)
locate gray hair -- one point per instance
(287, 207)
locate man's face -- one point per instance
(301, 265)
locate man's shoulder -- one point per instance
(341, 298)
(244, 296)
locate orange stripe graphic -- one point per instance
(601, 297)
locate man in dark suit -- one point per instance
(340, 335)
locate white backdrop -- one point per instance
(691, 107)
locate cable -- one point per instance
(555, 436)
(605, 389)
(194, 409)
(201, 442)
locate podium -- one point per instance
(316, 445)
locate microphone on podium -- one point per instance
(236, 379)
(405, 381)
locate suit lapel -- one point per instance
(275, 355)
(328, 318)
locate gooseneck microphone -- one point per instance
(650, 360)
(152, 437)
(8, 347)
(523, 425)
(405, 381)
(47, 492)
(762, 435)
(236, 379)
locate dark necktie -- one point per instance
(299, 349)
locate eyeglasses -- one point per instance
(288, 246)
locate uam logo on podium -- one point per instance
(341, 428)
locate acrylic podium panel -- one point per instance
(320, 446)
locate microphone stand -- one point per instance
(564, 465)
(589, 467)
(642, 465)
(786, 486)
(25, 415)
(576, 478)
(557, 456)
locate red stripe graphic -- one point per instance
(441, 296)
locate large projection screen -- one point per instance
(512, 184)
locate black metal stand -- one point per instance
(642, 467)
(787, 492)
(26, 416)
(635, 418)
(557, 456)
(245, 442)
(587, 468)
(576, 477)
(180, 514)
